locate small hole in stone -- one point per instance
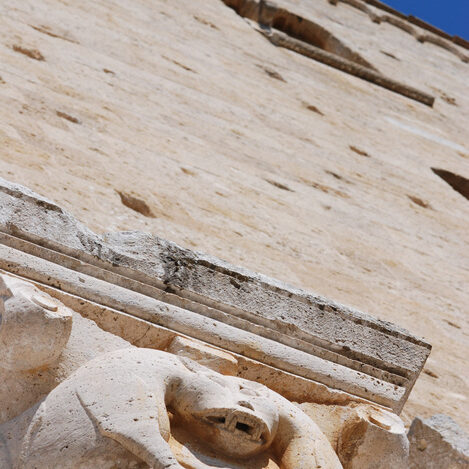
(390, 55)
(179, 64)
(458, 183)
(448, 99)
(311, 107)
(31, 53)
(136, 204)
(189, 172)
(205, 22)
(272, 73)
(430, 373)
(452, 324)
(68, 117)
(279, 185)
(358, 151)
(335, 175)
(243, 427)
(418, 201)
(234, 283)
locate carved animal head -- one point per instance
(231, 414)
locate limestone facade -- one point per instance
(180, 119)
(321, 143)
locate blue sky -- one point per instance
(452, 16)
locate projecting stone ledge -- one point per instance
(250, 314)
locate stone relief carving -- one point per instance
(114, 411)
(34, 328)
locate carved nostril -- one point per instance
(244, 427)
(246, 404)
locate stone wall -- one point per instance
(179, 119)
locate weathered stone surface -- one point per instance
(171, 103)
(365, 436)
(52, 361)
(315, 42)
(30, 216)
(373, 439)
(255, 154)
(216, 329)
(291, 322)
(34, 328)
(210, 357)
(114, 410)
(438, 442)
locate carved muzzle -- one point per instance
(242, 423)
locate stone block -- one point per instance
(365, 436)
(438, 443)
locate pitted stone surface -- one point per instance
(438, 442)
(114, 410)
(244, 300)
(177, 105)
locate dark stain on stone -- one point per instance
(430, 373)
(31, 53)
(312, 108)
(326, 189)
(272, 73)
(390, 55)
(179, 64)
(189, 172)
(205, 22)
(46, 30)
(68, 117)
(358, 151)
(235, 283)
(335, 175)
(279, 185)
(452, 324)
(448, 99)
(418, 201)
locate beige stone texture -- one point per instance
(220, 329)
(179, 119)
(364, 436)
(138, 408)
(34, 328)
(81, 341)
(438, 442)
(213, 358)
(114, 412)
